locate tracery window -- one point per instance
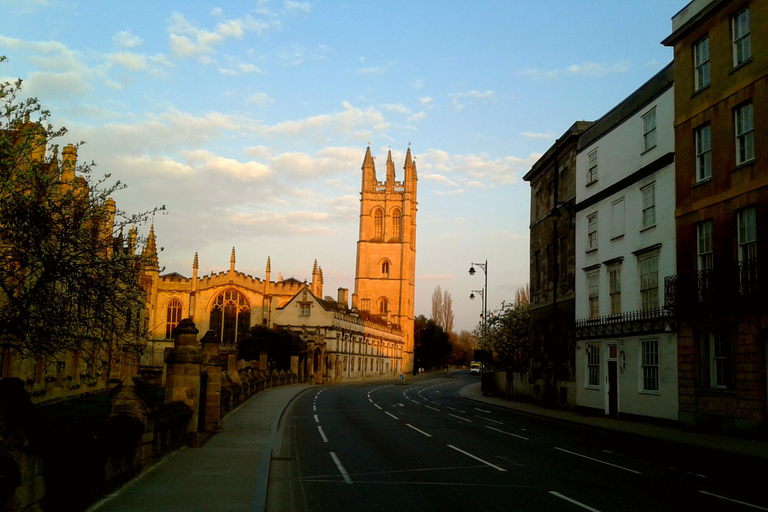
(230, 316)
(378, 223)
(383, 304)
(172, 316)
(385, 268)
(396, 223)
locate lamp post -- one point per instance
(482, 315)
(484, 267)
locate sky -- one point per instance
(249, 120)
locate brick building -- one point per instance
(721, 140)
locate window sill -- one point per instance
(617, 237)
(589, 184)
(596, 388)
(591, 250)
(702, 182)
(748, 163)
(700, 90)
(739, 66)
(648, 150)
(647, 228)
(649, 392)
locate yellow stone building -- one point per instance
(386, 249)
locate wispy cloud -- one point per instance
(259, 99)
(587, 69)
(126, 39)
(531, 135)
(399, 108)
(458, 99)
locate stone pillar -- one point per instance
(295, 367)
(182, 380)
(212, 367)
(263, 360)
(125, 401)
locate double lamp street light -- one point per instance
(484, 294)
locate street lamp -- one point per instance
(482, 296)
(484, 293)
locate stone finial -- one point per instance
(314, 268)
(232, 260)
(390, 168)
(195, 263)
(150, 250)
(320, 273)
(269, 265)
(279, 276)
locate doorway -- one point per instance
(612, 408)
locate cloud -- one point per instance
(376, 70)
(257, 151)
(457, 98)
(418, 116)
(511, 236)
(531, 135)
(126, 39)
(240, 68)
(216, 11)
(300, 223)
(206, 161)
(326, 162)
(259, 99)
(351, 122)
(418, 84)
(474, 170)
(427, 102)
(128, 61)
(588, 69)
(187, 40)
(292, 7)
(399, 108)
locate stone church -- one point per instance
(371, 338)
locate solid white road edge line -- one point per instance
(598, 460)
(734, 501)
(377, 405)
(322, 434)
(341, 468)
(418, 430)
(566, 498)
(494, 466)
(508, 433)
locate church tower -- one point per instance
(386, 248)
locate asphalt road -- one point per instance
(420, 446)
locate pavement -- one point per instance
(723, 443)
(230, 472)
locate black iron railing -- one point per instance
(632, 322)
(722, 287)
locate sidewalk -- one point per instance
(228, 473)
(733, 445)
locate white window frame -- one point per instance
(649, 366)
(614, 288)
(704, 249)
(648, 204)
(593, 293)
(649, 130)
(593, 368)
(745, 133)
(648, 272)
(746, 223)
(592, 167)
(701, 62)
(592, 231)
(617, 218)
(703, 141)
(717, 349)
(740, 32)
(305, 310)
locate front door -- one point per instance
(612, 406)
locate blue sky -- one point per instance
(249, 120)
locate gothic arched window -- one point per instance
(383, 306)
(385, 268)
(396, 223)
(172, 316)
(230, 316)
(378, 223)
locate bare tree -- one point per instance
(437, 306)
(447, 312)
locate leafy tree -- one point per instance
(279, 343)
(67, 282)
(431, 342)
(463, 344)
(508, 331)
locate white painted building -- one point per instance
(626, 348)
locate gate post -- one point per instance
(182, 381)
